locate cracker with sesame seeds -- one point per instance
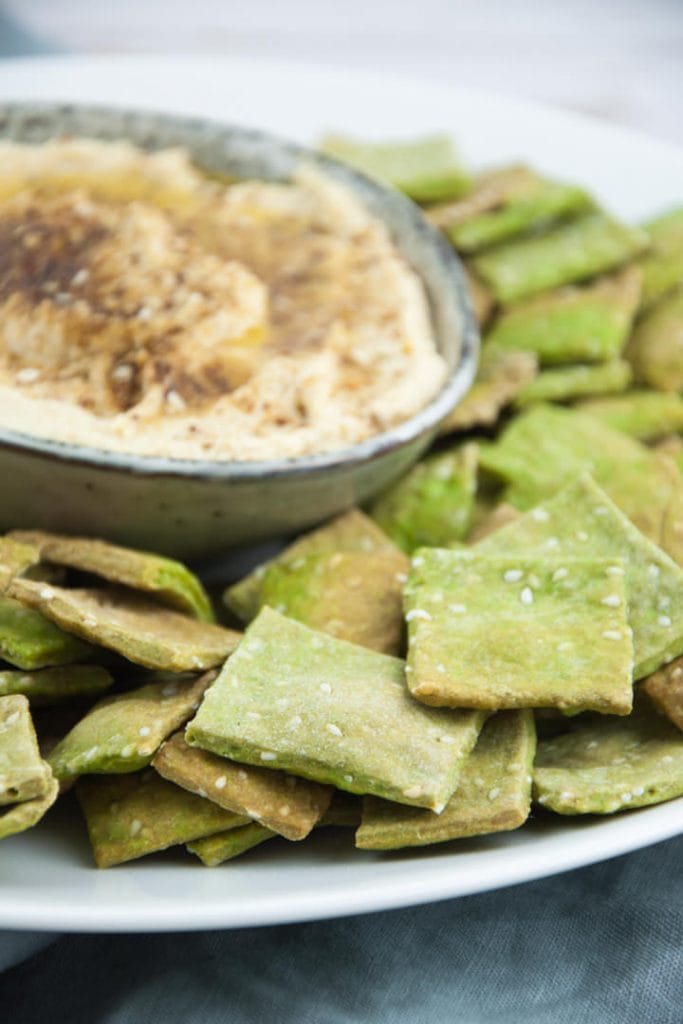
(645, 415)
(130, 624)
(433, 504)
(582, 521)
(575, 324)
(122, 733)
(349, 719)
(22, 816)
(605, 765)
(500, 376)
(283, 803)
(15, 558)
(351, 531)
(130, 816)
(24, 775)
(352, 595)
(565, 383)
(547, 446)
(493, 795)
(655, 349)
(663, 265)
(215, 850)
(165, 579)
(48, 686)
(589, 245)
(665, 689)
(30, 641)
(538, 207)
(501, 632)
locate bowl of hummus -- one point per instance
(208, 335)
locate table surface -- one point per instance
(620, 59)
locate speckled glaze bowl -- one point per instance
(194, 509)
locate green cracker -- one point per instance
(547, 202)
(426, 169)
(603, 766)
(282, 803)
(164, 578)
(494, 632)
(546, 447)
(574, 324)
(215, 850)
(663, 265)
(20, 817)
(23, 773)
(590, 245)
(568, 382)
(122, 733)
(500, 377)
(581, 520)
(655, 349)
(490, 190)
(49, 686)
(665, 689)
(433, 504)
(351, 531)
(493, 795)
(130, 816)
(352, 595)
(645, 415)
(130, 624)
(29, 640)
(334, 712)
(15, 558)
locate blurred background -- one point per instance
(620, 59)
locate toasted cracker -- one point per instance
(582, 520)
(501, 376)
(122, 733)
(493, 795)
(352, 595)
(215, 850)
(304, 702)
(130, 624)
(573, 324)
(166, 579)
(55, 685)
(30, 641)
(645, 415)
(490, 190)
(496, 632)
(23, 773)
(607, 765)
(351, 531)
(282, 803)
(592, 244)
(25, 815)
(665, 689)
(130, 816)
(663, 265)
(655, 349)
(433, 504)
(568, 382)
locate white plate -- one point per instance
(46, 876)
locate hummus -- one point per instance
(145, 308)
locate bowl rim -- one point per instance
(420, 423)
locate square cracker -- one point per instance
(57, 685)
(494, 632)
(493, 795)
(20, 817)
(30, 641)
(581, 520)
(23, 773)
(215, 850)
(665, 689)
(283, 803)
(304, 702)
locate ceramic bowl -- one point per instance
(193, 508)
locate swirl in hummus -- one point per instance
(145, 308)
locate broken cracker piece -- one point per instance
(23, 773)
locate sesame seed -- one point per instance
(418, 561)
(90, 621)
(401, 577)
(612, 601)
(169, 690)
(653, 571)
(202, 793)
(560, 574)
(639, 790)
(614, 570)
(581, 535)
(663, 620)
(90, 754)
(667, 759)
(458, 609)
(128, 750)
(626, 798)
(611, 634)
(348, 779)
(413, 792)
(566, 796)
(295, 721)
(144, 730)
(284, 810)
(664, 602)
(325, 688)
(135, 827)
(254, 715)
(28, 375)
(47, 593)
(565, 645)
(446, 739)
(542, 800)
(242, 775)
(540, 515)
(418, 613)
(512, 575)
(676, 672)
(493, 793)
(440, 669)
(123, 372)
(526, 596)
(334, 729)
(552, 542)
(80, 277)
(266, 755)
(592, 745)
(316, 643)
(220, 782)
(600, 510)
